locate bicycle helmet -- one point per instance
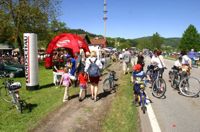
(137, 67)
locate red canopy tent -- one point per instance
(65, 40)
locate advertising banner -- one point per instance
(31, 61)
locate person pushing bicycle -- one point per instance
(137, 75)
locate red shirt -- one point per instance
(83, 78)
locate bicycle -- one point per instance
(9, 92)
(175, 77)
(158, 83)
(142, 95)
(109, 83)
(189, 86)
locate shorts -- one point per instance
(136, 89)
(83, 86)
(94, 80)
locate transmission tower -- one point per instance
(105, 17)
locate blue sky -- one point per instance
(132, 18)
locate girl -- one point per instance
(83, 78)
(65, 81)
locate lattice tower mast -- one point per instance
(105, 17)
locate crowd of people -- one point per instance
(12, 56)
(77, 70)
(183, 63)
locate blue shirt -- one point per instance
(73, 69)
(140, 74)
(192, 54)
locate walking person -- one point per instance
(83, 79)
(65, 81)
(126, 60)
(92, 67)
(140, 59)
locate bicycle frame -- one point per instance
(13, 92)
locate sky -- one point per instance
(132, 18)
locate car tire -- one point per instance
(11, 75)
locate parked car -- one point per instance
(11, 69)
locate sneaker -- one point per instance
(97, 98)
(92, 98)
(65, 100)
(80, 100)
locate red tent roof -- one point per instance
(67, 40)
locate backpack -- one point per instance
(93, 70)
(126, 58)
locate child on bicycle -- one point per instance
(65, 81)
(138, 74)
(83, 79)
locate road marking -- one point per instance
(153, 121)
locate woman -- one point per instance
(157, 60)
(94, 80)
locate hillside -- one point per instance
(173, 42)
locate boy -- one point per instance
(137, 74)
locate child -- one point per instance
(137, 74)
(65, 81)
(83, 78)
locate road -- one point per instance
(174, 113)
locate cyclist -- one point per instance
(186, 62)
(178, 63)
(177, 67)
(157, 61)
(138, 74)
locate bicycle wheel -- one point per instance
(173, 85)
(143, 107)
(5, 95)
(106, 85)
(17, 102)
(189, 86)
(171, 75)
(159, 88)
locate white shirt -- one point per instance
(157, 62)
(185, 60)
(87, 63)
(177, 63)
(120, 56)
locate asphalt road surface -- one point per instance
(174, 112)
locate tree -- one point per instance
(190, 39)
(156, 41)
(27, 16)
(144, 44)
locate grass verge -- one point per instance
(123, 115)
(43, 101)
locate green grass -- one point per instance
(123, 115)
(44, 101)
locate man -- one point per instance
(126, 60)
